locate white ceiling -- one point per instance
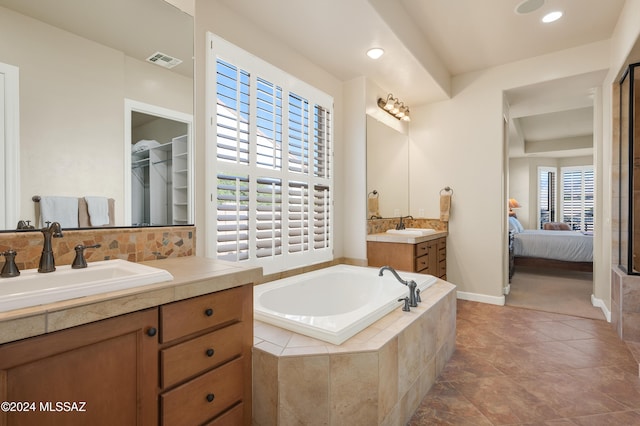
(429, 41)
(426, 43)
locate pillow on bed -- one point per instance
(515, 225)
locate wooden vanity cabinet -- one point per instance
(205, 359)
(102, 373)
(427, 257)
(182, 363)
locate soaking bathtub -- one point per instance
(335, 303)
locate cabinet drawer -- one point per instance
(442, 267)
(187, 359)
(192, 315)
(204, 397)
(233, 417)
(422, 248)
(422, 263)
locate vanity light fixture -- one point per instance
(394, 107)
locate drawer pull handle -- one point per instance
(151, 332)
(208, 312)
(210, 352)
(210, 397)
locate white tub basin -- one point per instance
(32, 288)
(413, 232)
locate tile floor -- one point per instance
(515, 366)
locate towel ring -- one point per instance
(446, 189)
(373, 194)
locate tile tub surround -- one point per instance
(625, 304)
(379, 376)
(132, 244)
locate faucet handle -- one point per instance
(10, 269)
(418, 299)
(405, 307)
(79, 261)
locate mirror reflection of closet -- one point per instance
(160, 172)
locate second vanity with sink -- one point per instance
(176, 351)
(411, 250)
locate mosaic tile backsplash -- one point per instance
(132, 244)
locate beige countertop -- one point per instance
(406, 239)
(192, 276)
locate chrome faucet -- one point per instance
(47, 263)
(413, 297)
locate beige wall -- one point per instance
(625, 48)
(459, 143)
(72, 93)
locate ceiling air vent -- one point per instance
(164, 60)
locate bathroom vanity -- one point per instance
(177, 352)
(423, 254)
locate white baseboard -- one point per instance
(483, 298)
(599, 303)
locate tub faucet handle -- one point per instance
(418, 299)
(405, 307)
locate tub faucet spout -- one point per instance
(413, 298)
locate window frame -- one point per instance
(583, 225)
(258, 69)
(554, 170)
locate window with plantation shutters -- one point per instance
(269, 152)
(577, 197)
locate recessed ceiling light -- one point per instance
(375, 52)
(528, 6)
(552, 17)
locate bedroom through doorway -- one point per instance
(550, 187)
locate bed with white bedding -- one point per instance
(552, 249)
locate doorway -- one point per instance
(158, 166)
(551, 125)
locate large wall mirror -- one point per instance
(387, 168)
(79, 62)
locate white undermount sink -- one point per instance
(32, 288)
(412, 232)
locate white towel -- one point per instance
(98, 208)
(59, 209)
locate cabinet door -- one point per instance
(103, 373)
